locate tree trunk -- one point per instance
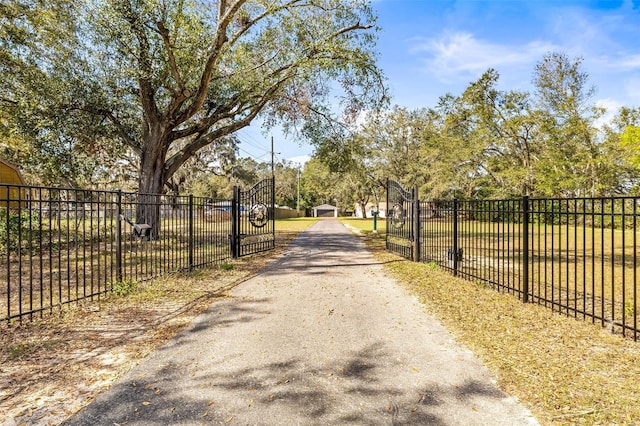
(151, 183)
(363, 206)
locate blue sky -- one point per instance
(429, 48)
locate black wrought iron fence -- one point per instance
(576, 256)
(62, 245)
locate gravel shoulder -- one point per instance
(319, 336)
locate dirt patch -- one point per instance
(52, 367)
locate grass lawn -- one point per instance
(566, 371)
(366, 225)
(294, 225)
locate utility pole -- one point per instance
(273, 173)
(298, 204)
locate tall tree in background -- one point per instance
(622, 148)
(500, 139)
(572, 160)
(319, 185)
(627, 125)
(397, 137)
(286, 183)
(462, 150)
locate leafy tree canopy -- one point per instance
(166, 78)
(491, 142)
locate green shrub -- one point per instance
(432, 265)
(226, 266)
(124, 287)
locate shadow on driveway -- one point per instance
(319, 337)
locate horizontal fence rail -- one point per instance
(58, 245)
(577, 256)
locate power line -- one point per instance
(250, 140)
(253, 156)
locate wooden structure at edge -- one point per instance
(10, 175)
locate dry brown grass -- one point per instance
(51, 368)
(566, 371)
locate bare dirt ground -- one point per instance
(52, 367)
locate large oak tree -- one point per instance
(166, 78)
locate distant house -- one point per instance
(370, 208)
(325, 210)
(10, 175)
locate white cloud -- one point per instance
(632, 89)
(460, 55)
(609, 104)
(605, 38)
(300, 160)
(611, 107)
(622, 62)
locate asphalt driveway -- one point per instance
(319, 337)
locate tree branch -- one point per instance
(130, 142)
(205, 123)
(224, 19)
(231, 104)
(172, 60)
(259, 18)
(120, 129)
(174, 163)
(147, 95)
(225, 15)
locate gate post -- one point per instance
(386, 217)
(235, 223)
(416, 225)
(190, 232)
(118, 234)
(525, 250)
(455, 237)
(271, 215)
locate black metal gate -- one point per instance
(403, 224)
(253, 219)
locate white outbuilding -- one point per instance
(325, 210)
